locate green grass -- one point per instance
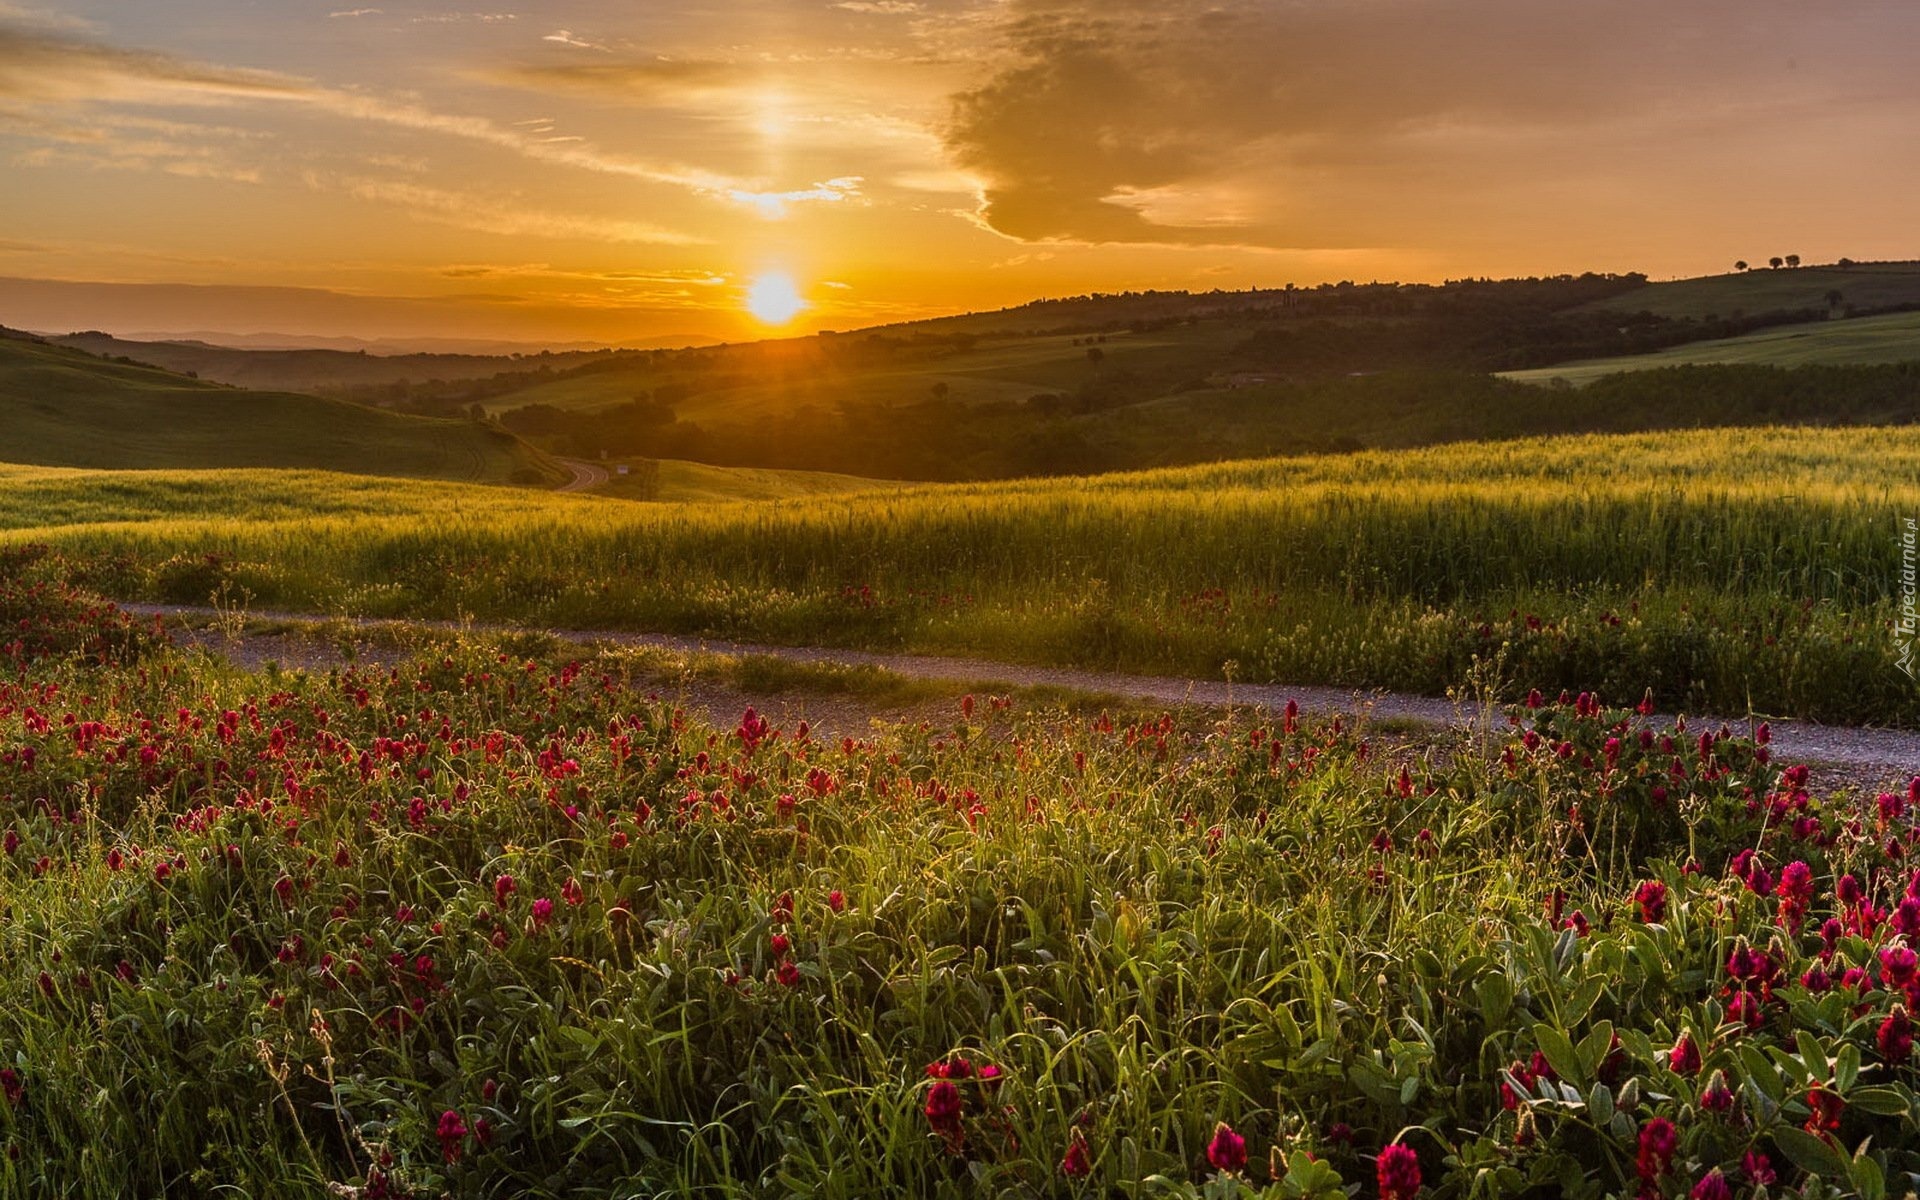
(60, 407)
(483, 925)
(682, 482)
(1722, 569)
(1892, 338)
(1864, 285)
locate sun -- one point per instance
(774, 299)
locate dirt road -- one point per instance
(1886, 751)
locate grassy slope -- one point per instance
(1894, 337)
(60, 407)
(308, 370)
(1679, 563)
(1865, 285)
(683, 482)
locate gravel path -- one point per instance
(1885, 753)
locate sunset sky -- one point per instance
(624, 172)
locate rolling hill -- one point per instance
(1892, 338)
(313, 369)
(1862, 286)
(62, 407)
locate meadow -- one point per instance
(483, 925)
(1726, 571)
(1892, 338)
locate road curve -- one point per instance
(1886, 750)
(586, 475)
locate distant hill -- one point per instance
(1863, 340)
(314, 370)
(62, 407)
(1765, 289)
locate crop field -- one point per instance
(1727, 571)
(481, 925)
(1886, 339)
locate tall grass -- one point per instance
(1723, 568)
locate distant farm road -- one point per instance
(1859, 749)
(586, 476)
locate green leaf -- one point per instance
(1881, 1101)
(1811, 1154)
(1582, 1001)
(1846, 1067)
(1868, 1179)
(1495, 991)
(1559, 1052)
(1600, 1103)
(1762, 1074)
(1813, 1054)
(1594, 1047)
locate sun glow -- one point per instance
(774, 299)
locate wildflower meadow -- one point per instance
(482, 925)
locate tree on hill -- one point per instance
(1775, 262)
(1793, 260)
(1741, 265)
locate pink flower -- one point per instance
(943, 1110)
(1651, 896)
(1228, 1150)
(1397, 1170)
(1685, 1058)
(503, 886)
(1658, 1142)
(1717, 1097)
(1712, 1186)
(1076, 1164)
(1895, 1036)
(452, 1133)
(542, 912)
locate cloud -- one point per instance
(489, 215)
(47, 69)
(357, 12)
(1218, 121)
(887, 8)
(566, 37)
(774, 205)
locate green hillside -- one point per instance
(315, 369)
(62, 407)
(680, 482)
(1863, 340)
(1861, 286)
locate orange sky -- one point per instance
(573, 171)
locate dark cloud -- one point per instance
(1104, 100)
